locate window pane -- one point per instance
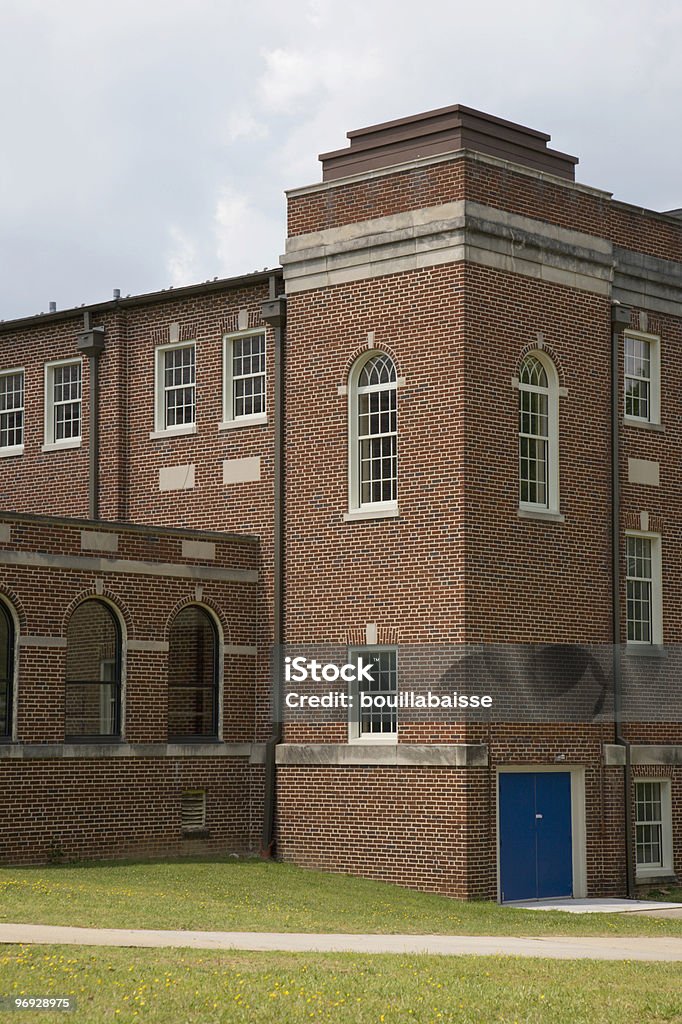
(66, 401)
(381, 717)
(639, 586)
(248, 376)
(193, 677)
(92, 671)
(649, 819)
(533, 434)
(6, 671)
(637, 377)
(179, 386)
(377, 432)
(11, 410)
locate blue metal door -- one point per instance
(536, 846)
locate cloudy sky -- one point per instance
(148, 144)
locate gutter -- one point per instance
(273, 312)
(620, 320)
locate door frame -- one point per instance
(578, 827)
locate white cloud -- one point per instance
(121, 120)
(293, 75)
(246, 239)
(181, 261)
(241, 124)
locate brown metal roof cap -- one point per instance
(441, 131)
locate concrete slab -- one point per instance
(546, 947)
(597, 906)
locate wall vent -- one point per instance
(193, 813)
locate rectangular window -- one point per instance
(12, 410)
(63, 404)
(642, 377)
(244, 387)
(374, 711)
(643, 589)
(377, 438)
(653, 824)
(176, 389)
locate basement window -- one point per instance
(193, 810)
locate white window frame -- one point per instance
(654, 343)
(355, 733)
(656, 580)
(15, 449)
(52, 444)
(551, 504)
(666, 866)
(160, 428)
(356, 507)
(230, 419)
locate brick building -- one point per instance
(451, 451)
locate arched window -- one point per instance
(193, 676)
(93, 672)
(6, 671)
(373, 457)
(538, 434)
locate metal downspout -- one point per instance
(273, 312)
(91, 344)
(620, 320)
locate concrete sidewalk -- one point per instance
(554, 948)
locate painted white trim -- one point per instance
(356, 509)
(50, 444)
(667, 868)
(355, 737)
(244, 421)
(578, 820)
(229, 419)
(654, 342)
(656, 591)
(389, 511)
(552, 506)
(160, 428)
(163, 435)
(16, 449)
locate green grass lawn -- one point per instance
(254, 895)
(199, 987)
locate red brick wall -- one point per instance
(116, 804)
